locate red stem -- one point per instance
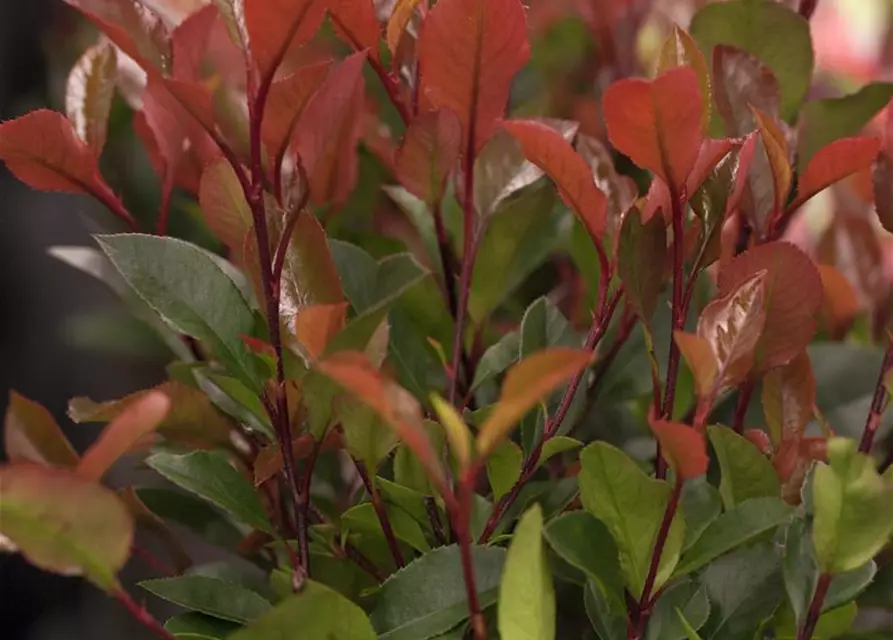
(745, 391)
(815, 607)
(462, 525)
(141, 615)
(878, 402)
(381, 513)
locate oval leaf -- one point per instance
(31, 434)
(683, 447)
(210, 596)
(428, 154)
(89, 92)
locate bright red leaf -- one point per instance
(317, 324)
(355, 21)
(683, 447)
(833, 163)
(547, 149)
(469, 52)
(841, 303)
(680, 49)
(882, 184)
(428, 154)
(276, 25)
(657, 123)
(189, 42)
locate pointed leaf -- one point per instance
(504, 468)
(355, 21)
(31, 434)
(683, 447)
(789, 398)
(224, 207)
(641, 261)
(429, 154)
(776, 149)
(273, 26)
(746, 473)
(685, 598)
(189, 43)
(211, 596)
(456, 430)
(833, 163)
(469, 52)
(317, 324)
(89, 92)
(699, 355)
(402, 14)
(658, 123)
(679, 50)
(701, 504)
(742, 81)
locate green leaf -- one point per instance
(197, 626)
(504, 468)
(211, 596)
(65, 524)
(369, 439)
(690, 632)
(317, 611)
(831, 624)
(799, 568)
(683, 601)
(427, 597)
(616, 491)
(825, 121)
(853, 508)
(746, 472)
(609, 625)
(362, 518)
(736, 527)
(701, 505)
(557, 445)
(584, 542)
(775, 34)
(409, 353)
(642, 260)
(746, 587)
(526, 593)
(188, 288)
(210, 476)
(191, 512)
(846, 587)
(497, 358)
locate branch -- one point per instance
(815, 607)
(141, 615)
(745, 391)
(381, 513)
(878, 402)
(462, 526)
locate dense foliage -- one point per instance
(471, 334)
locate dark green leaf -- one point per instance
(746, 472)
(497, 358)
(211, 596)
(609, 625)
(503, 468)
(701, 505)
(799, 568)
(641, 261)
(193, 513)
(362, 518)
(689, 598)
(197, 626)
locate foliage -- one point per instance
(519, 325)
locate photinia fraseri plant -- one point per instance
(464, 360)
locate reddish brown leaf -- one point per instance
(777, 153)
(469, 52)
(31, 434)
(269, 459)
(712, 152)
(189, 42)
(548, 150)
(841, 304)
(760, 440)
(741, 81)
(882, 181)
(792, 462)
(328, 131)
(792, 302)
(223, 205)
(400, 17)
(680, 49)
(852, 245)
(317, 324)
(355, 21)
(683, 447)
(428, 154)
(276, 25)
(138, 420)
(788, 398)
(833, 163)
(701, 361)
(89, 92)
(641, 262)
(658, 123)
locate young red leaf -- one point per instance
(657, 123)
(356, 23)
(548, 150)
(269, 459)
(760, 440)
(841, 304)
(89, 92)
(138, 420)
(683, 447)
(793, 298)
(328, 131)
(641, 261)
(189, 42)
(833, 163)
(741, 81)
(777, 153)
(428, 154)
(712, 152)
(679, 50)
(223, 205)
(400, 17)
(276, 25)
(317, 324)
(31, 434)
(699, 356)
(788, 398)
(469, 52)
(882, 183)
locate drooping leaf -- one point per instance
(853, 508)
(772, 32)
(210, 476)
(788, 398)
(89, 92)
(833, 163)
(684, 448)
(428, 596)
(318, 611)
(657, 123)
(64, 523)
(355, 21)
(678, 50)
(547, 149)
(469, 52)
(429, 154)
(31, 434)
(641, 261)
(273, 26)
(746, 473)
(615, 490)
(526, 592)
(504, 468)
(211, 596)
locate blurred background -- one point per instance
(62, 334)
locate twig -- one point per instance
(878, 402)
(745, 391)
(304, 506)
(347, 550)
(381, 513)
(462, 526)
(141, 615)
(815, 607)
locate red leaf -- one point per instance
(710, 154)
(189, 42)
(31, 434)
(657, 123)
(760, 440)
(328, 131)
(42, 150)
(276, 25)
(793, 298)
(469, 52)
(841, 302)
(882, 183)
(683, 447)
(833, 163)
(780, 173)
(741, 81)
(680, 49)
(698, 354)
(401, 16)
(89, 93)
(355, 21)
(788, 398)
(223, 205)
(547, 149)
(317, 324)
(428, 154)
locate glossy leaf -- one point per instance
(469, 52)
(317, 610)
(504, 468)
(853, 508)
(641, 261)
(746, 473)
(64, 523)
(210, 476)
(788, 398)
(31, 434)
(89, 92)
(210, 596)
(402, 14)
(356, 23)
(684, 448)
(616, 491)
(680, 49)
(833, 163)
(273, 26)
(525, 384)
(224, 207)
(742, 81)
(657, 123)
(547, 149)
(427, 597)
(526, 593)
(428, 155)
(776, 148)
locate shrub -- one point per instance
(445, 372)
